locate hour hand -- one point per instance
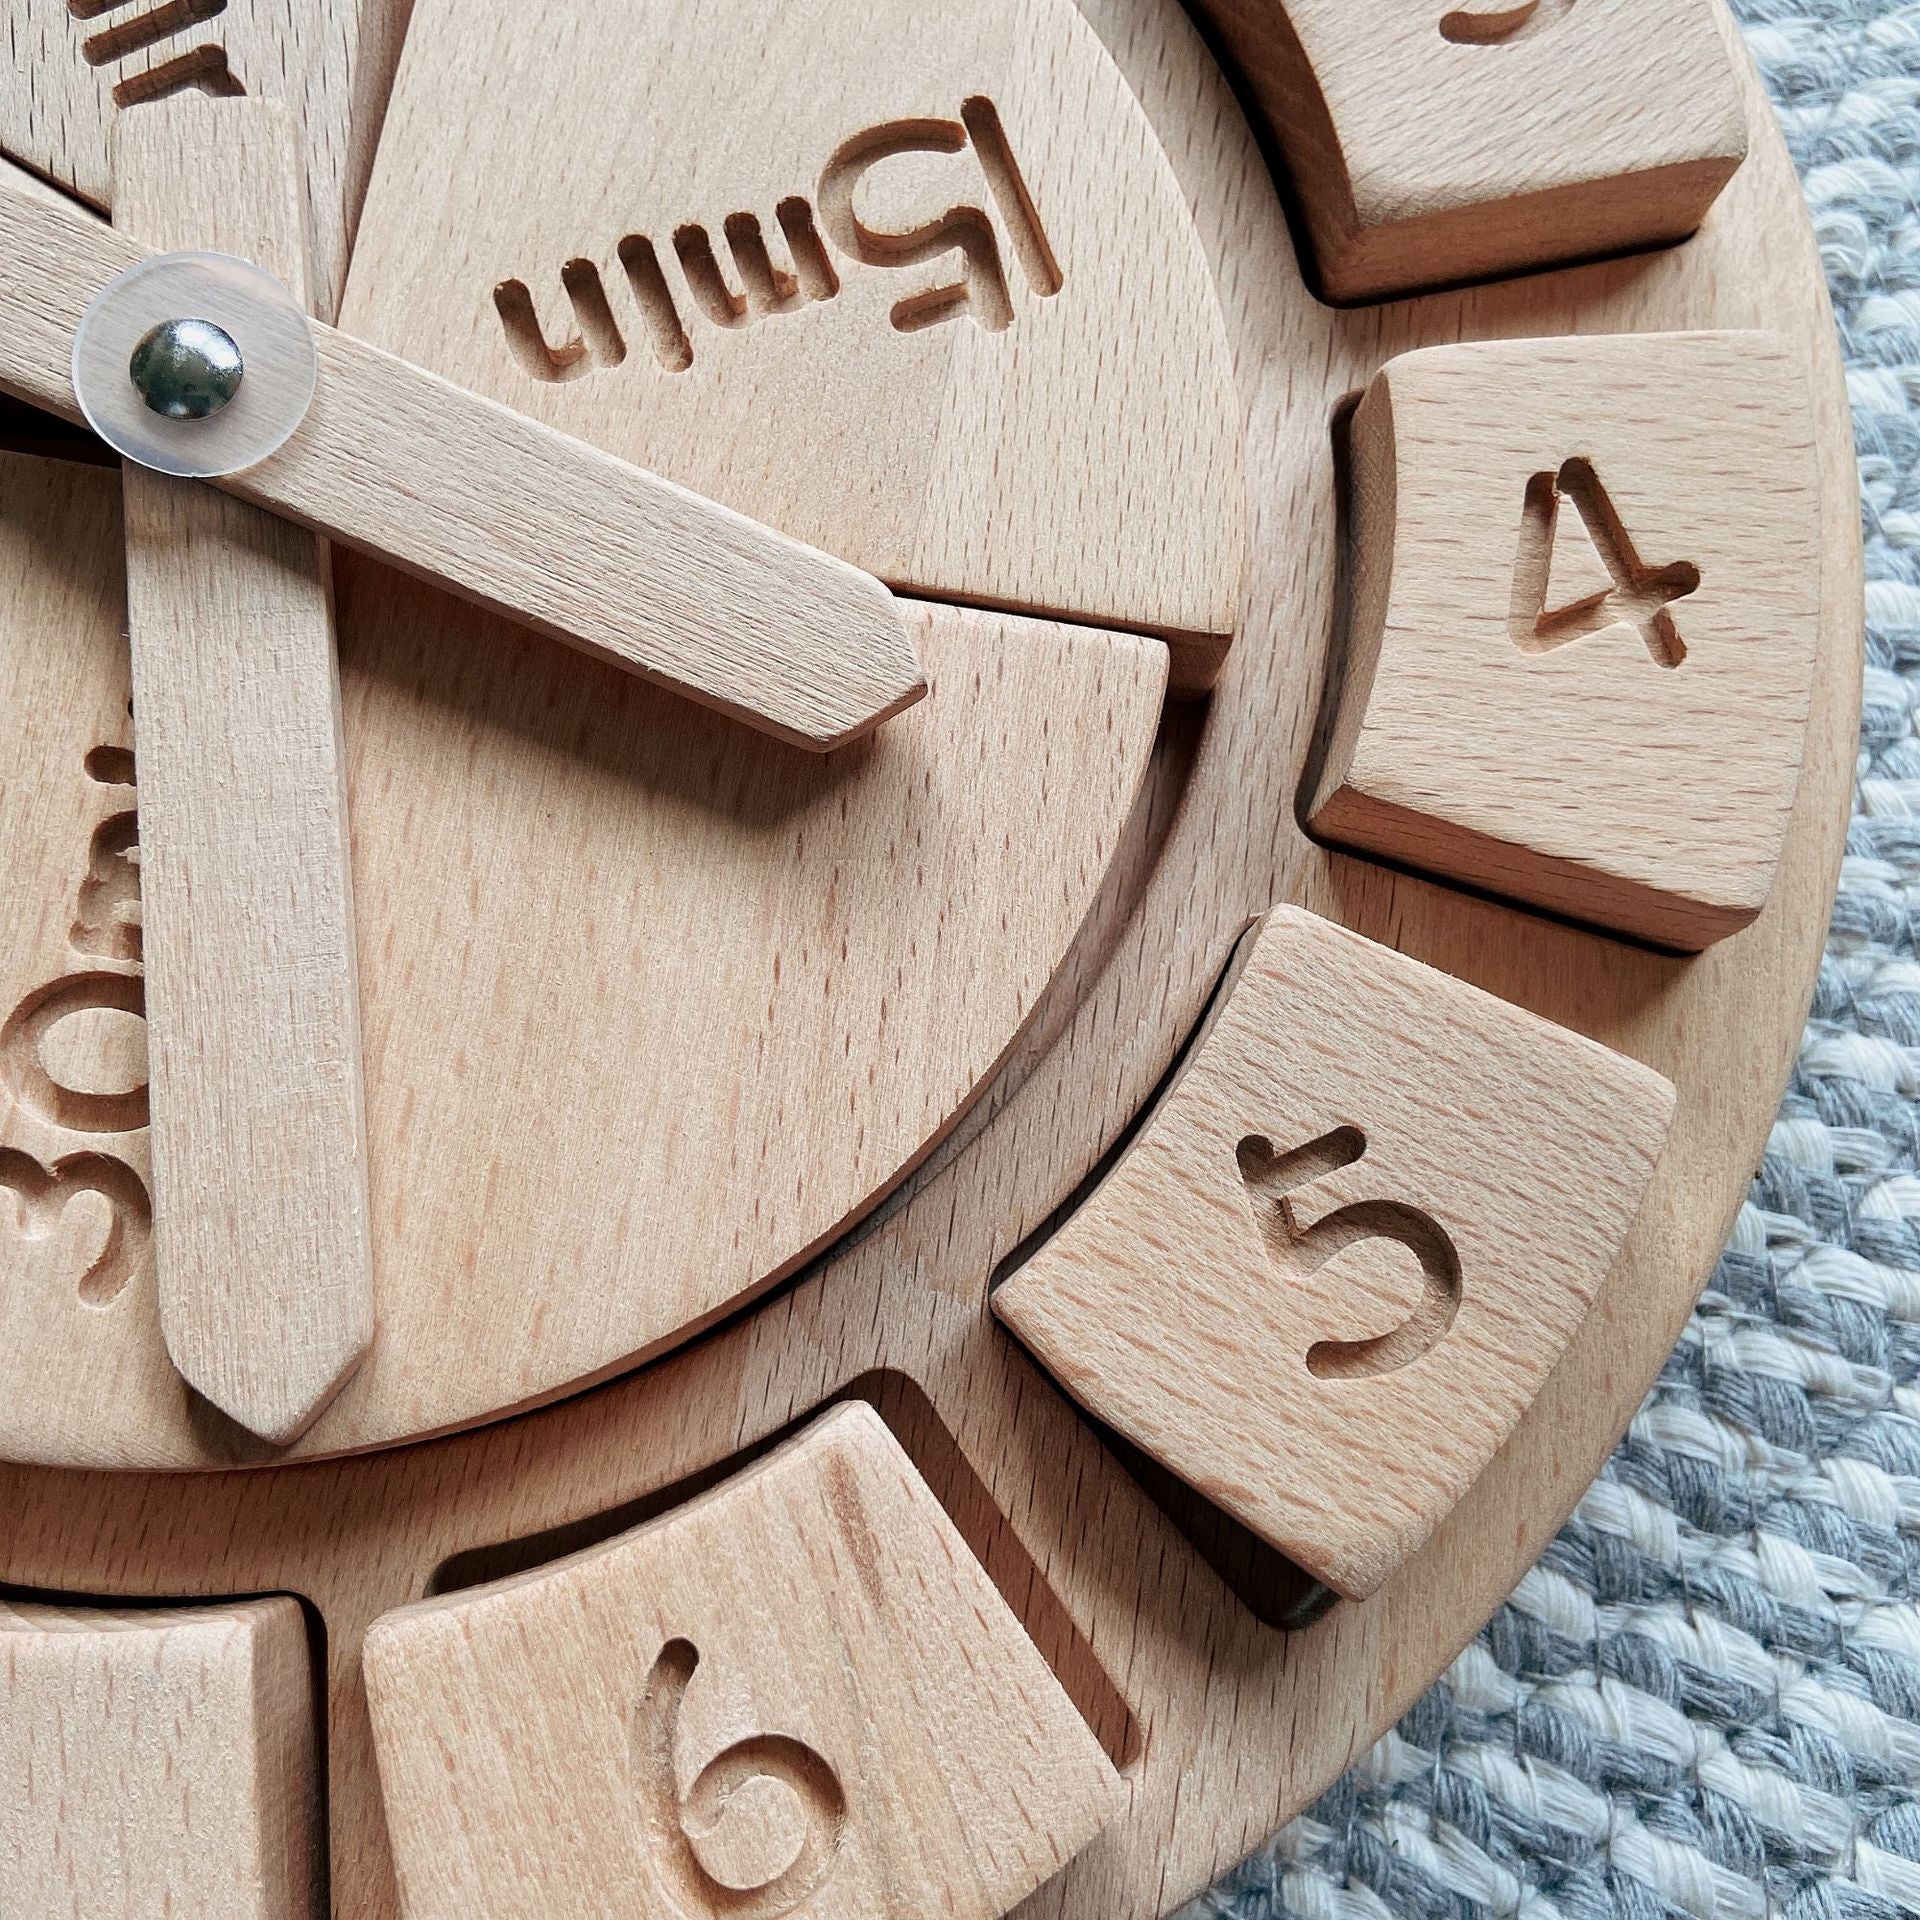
(507, 512)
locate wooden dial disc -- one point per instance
(1160, 1626)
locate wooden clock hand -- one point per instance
(508, 513)
(262, 1238)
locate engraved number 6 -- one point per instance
(711, 1849)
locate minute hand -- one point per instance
(509, 513)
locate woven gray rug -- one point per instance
(1705, 1699)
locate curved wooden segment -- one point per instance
(158, 1762)
(78, 70)
(509, 514)
(914, 284)
(1434, 143)
(799, 1693)
(1585, 613)
(1347, 1249)
(652, 1007)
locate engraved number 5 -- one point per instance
(1273, 1178)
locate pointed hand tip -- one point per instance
(276, 1405)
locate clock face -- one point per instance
(1379, 770)
(765, 983)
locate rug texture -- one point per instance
(1705, 1699)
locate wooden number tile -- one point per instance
(798, 1694)
(1432, 143)
(945, 313)
(79, 70)
(1343, 1254)
(265, 1256)
(1585, 604)
(158, 1762)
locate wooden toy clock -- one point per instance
(895, 899)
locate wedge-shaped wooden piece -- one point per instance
(1343, 1254)
(846, 944)
(799, 1693)
(158, 1762)
(80, 69)
(511, 514)
(263, 1243)
(945, 313)
(1432, 143)
(1625, 755)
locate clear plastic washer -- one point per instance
(270, 327)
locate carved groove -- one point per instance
(1272, 1179)
(707, 280)
(1640, 595)
(110, 766)
(811, 260)
(966, 231)
(654, 299)
(769, 286)
(43, 1195)
(683, 1833)
(108, 921)
(142, 30)
(572, 357)
(204, 66)
(981, 118)
(581, 279)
